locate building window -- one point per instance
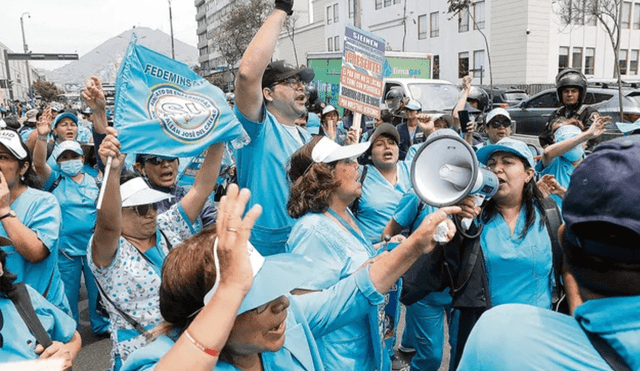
(434, 31)
(336, 43)
(204, 51)
(378, 4)
(352, 8)
(422, 27)
(335, 13)
(478, 15)
(463, 20)
(387, 3)
(636, 16)
(633, 62)
(329, 15)
(626, 14)
(591, 20)
(436, 66)
(330, 44)
(577, 58)
(397, 1)
(622, 61)
(589, 61)
(463, 64)
(478, 63)
(563, 58)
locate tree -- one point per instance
(457, 6)
(238, 28)
(609, 15)
(47, 90)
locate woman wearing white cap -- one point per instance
(131, 241)
(31, 218)
(331, 126)
(77, 192)
(249, 320)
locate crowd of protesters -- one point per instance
(304, 263)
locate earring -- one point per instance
(22, 177)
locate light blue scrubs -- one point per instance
(78, 206)
(309, 316)
(522, 337)
(313, 124)
(424, 320)
(261, 167)
(561, 169)
(19, 343)
(519, 270)
(40, 212)
(379, 199)
(337, 253)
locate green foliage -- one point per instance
(47, 90)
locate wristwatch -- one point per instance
(10, 213)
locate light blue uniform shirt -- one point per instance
(561, 169)
(336, 253)
(519, 270)
(262, 167)
(19, 343)
(309, 316)
(522, 337)
(379, 199)
(78, 205)
(40, 212)
(406, 213)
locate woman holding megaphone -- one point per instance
(505, 257)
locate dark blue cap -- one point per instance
(605, 188)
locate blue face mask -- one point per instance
(567, 132)
(71, 167)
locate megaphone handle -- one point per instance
(466, 222)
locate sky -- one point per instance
(78, 26)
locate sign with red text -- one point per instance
(361, 75)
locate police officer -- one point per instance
(571, 88)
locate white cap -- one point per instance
(12, 141)
(137, 192)
(328, 108)
(67, 145)
(497, 112)
(328, 151)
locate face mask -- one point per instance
(567, 132)
(71, 167)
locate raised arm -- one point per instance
(558, 149)
(43, 128)
(205, 182)
(109, 219)
(466, 88)
(249, 97)
(94, 97)
(235, 281)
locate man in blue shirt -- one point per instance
(602, 279)
(269, 98)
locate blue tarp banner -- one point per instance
(164, 108)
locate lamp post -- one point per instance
(26, 50)
(173, 55)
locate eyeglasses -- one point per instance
(293, 82)
(261, 308)
(142, 210)
(155, 161)
(497, 123)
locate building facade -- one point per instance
(18, 72)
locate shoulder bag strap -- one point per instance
(606, 351)
(356, 202)
(135, 324)
(22, 301)
(554, 221)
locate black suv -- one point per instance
(532, 114)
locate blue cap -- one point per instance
(63, 115)
(67, 145)
(506, 145)
(413, 105)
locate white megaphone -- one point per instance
(445, 170)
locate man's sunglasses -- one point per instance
(142, 210)
(155, 161)
(497, 123)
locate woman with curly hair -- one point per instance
(325, 180)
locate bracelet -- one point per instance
(43, 138)
(210, 352)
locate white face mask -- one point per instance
(71, 167)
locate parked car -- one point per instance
(531, 115)
(436, 96)
(506, 97)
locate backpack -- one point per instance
(22, 301)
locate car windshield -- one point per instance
(510, 96)
(435, 97)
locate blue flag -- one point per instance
(164, 108)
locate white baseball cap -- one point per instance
(327, 151)
(137, 192)
(12, 141)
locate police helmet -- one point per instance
(393, 99)
(571, 78)
(480, 96)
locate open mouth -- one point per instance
(388, 155)
(279, 328)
